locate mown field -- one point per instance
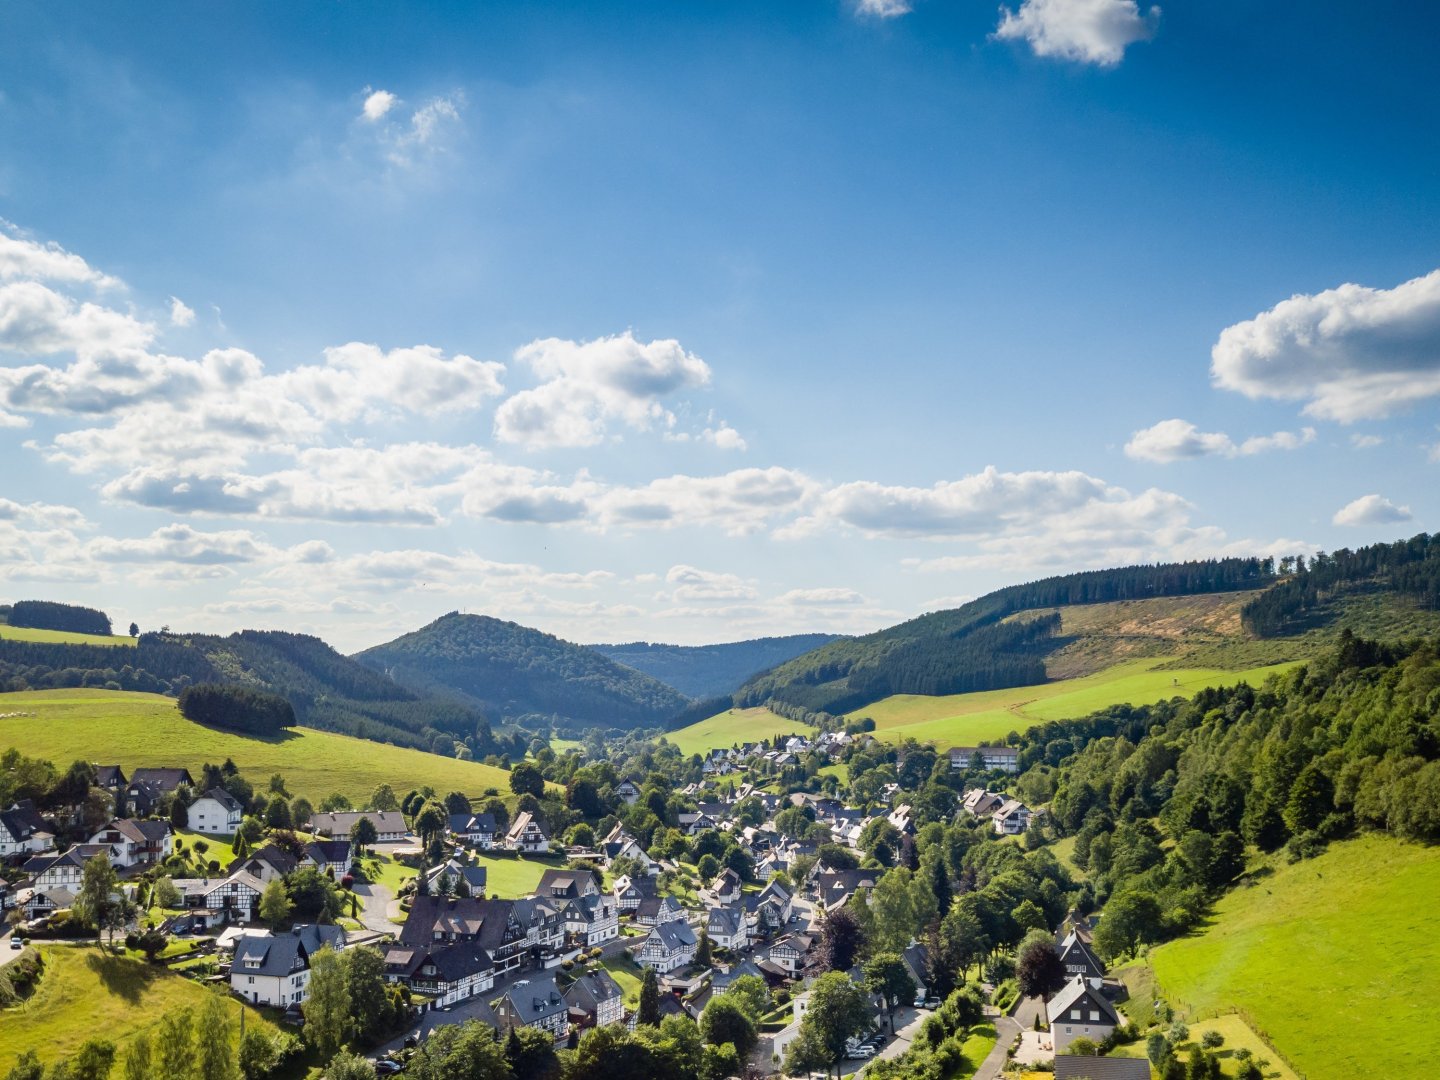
(963, 719)
(734, 726)
(60, 637)
(87, 993)
(110, 726)
(1333, 959)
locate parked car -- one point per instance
(386, 1067)
(16, 943)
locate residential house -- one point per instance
(1089, 1067)
(110, 778)
(628, 891)
(691, 823)
(231, 899)
(917, 962)
(595, 1000)
(726, 887)
(474, 830)
(626, 848)
(23, 831)
(629, 791)
(980, 803)
(668, 946)
(452, 948)
(591, 919)
(568, 884)
(63, 871)
(217, 813)
(141, 798)
(390, 827)
(1080, 1010)
(445, 879)
(722, 980)
(777, 898)
(1002, 758)
(1011, 818)
(265, 864)
(274, 969)
(43, 902)
(792, 952)
(834, 888)
(166, 781)
(657, 910)
(527, 834)
(534, 1002)
(726, 927)
(1079, 959)
(330, 857)
(135, 842)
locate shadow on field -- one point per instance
(126, 979)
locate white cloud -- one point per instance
(825, 597)
(358, 377)
(181, 544)
(724, 437)
(1086, 31)
(377, 104)
(884, 9)
(37, 321)
(1372, 510)
(1365, 442)
(181, 314)
(740, 503)
(687, 584)
(27, 259)
(429, 131)
(1178, 440)
(1351, 353)
(591, 385)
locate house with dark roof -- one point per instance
(23, 831)
(447, 876)
(1079, 959)
(111, 778)
(168, 781)
(980, 803)
(63, 871)
(217, 813)
(595, 999)
(330, 857)
(533, 1002)
(1088, 1067)
(1080, 1010)
(141, 798)
(668, 946)
(1011, 817)
(568, 884)
(792, 952)
(721, 980)
(834, 888)
(725, 889)
(474, 830)
(917, 962)
(655, 910)
(135, 842)
(452, 947)
(274, 969)
(266, 863)
(725, 925)
(630, 891)
(629, 791)
(590, 919)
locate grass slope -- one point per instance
(147, 730)
(734, 726)
(86, 993)
(963, 719)
(1333, 958)
(60, 637)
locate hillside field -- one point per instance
(964, 719)
(108, 726)
(734, 726)
(86, 992)
(60, 637)
(1333, 958)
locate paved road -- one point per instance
(1007, 1029)
(7, 954)
(376, 904)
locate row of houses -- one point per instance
(526, 833)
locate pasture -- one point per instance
(1347, 934)
(110, 726)
(60, 637)
(734, 726)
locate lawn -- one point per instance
(86, 992)
(978, 1044)
(734, 727)
(1237, 1035)
(964, 719)
(627, 973)
(1320, 952)
(147, 730)
(60, 637)
(509, 876)
(381, 869)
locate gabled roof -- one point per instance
(167, 780)
(340, 823)
(224, 798)
(328, 851)
(1084, 1067)
(277, 858)
(523, 820)
(674, 935)
(592, 989)
(472, 823)
(1075, 950)
(315, 936)
(1073, 991)
(110, 776)
(273, 956)
(535, 998)
(721, 980)
(724, 921)
(567, 883)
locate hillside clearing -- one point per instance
(60, 637)
(734, 726)
(147, 730)
(1348, 934)
(87, 992)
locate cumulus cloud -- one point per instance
(1372, 510)
(825, 597)
(1178, 440)
(739, 503)
(181, 544)
(27, 259)
(591, 386)
(1351, 353)
(35, 320)
(688, 584)
(884, 9)
(723, 437)
(1365, 442)
(377, 104)
(181, 314)
(1085, 31)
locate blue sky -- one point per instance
(691, 322)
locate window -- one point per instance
(1094, 1015)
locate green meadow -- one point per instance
(734, 726)
(60, 637)
(1333, 959)
(110, 726)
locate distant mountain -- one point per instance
(977, 646)
(326, 689)
(514, 673)
(711, 671)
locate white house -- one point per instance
(534, 1002)
(475, 830)
(527, 834)
(1003, 758)
(63, 871)
(1012, 817)
(668, 946)
(726, 927)
(597, 997)
(629, 791)
(23, 831)
(389, 825)
(217, 812)
(136, 842)
(274, 969)
(1078, 1011)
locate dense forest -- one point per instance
(48, 615)
(932, 654)
(1350, 741)
(711, 671)
(237, 708)
(523, 675)
(1410, 568)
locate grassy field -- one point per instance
(509, 876)
(147, 730)
(734, 726)
(1237, 1035)
(60, 637)
(1332, 958)
(963, 719)
(627, 973)
(86, 992)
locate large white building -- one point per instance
(274, 969)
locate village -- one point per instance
(604, 915)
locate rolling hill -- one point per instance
(711, 671)
(522, 675)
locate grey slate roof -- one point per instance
(1072, 992)
(1083, 1067)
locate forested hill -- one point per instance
(711, 671)
(970, 647)
(523, 675)
(326, 689)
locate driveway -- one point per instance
(377, 905)
(1007, 1030)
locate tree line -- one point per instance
(48, 615)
